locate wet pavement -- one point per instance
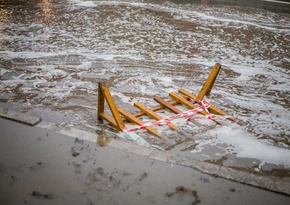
(39, 166)
(53, 54)
(271, 5)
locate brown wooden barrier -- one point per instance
(119, 116)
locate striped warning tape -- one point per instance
(188, 114)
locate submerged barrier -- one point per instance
(119, 117)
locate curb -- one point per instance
(252, 179)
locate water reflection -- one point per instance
(4, 13)
(46, 16)
(4, 16)
(45, 5)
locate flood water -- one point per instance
(53, 54)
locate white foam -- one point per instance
(247, 146)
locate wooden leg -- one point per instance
(207, 86)
(117, 122)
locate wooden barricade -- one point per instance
(119, 115)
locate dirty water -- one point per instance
(54, 53)
(43, 167)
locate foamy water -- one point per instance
(53, 57)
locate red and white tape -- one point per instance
(188, 114)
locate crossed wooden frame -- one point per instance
(119, 115)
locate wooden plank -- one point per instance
(110, 120)
(136, 120)
(160, 107)
(167, 105)
(211, 108)
(101, 102)
(112, 106)
(153, 114)
(186, 93)
(188, 104)
(185, 102)
(182, 100)
(207, 86)
(173, 109)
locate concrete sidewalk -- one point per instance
(39, 165)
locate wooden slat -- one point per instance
(153, 114)
(211, 108)
(160, 107)
(182, 100)
(136, 120)
(173, 109)
(112, 106)
(187, 103)
(207, 86)
(167, 105)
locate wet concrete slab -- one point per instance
(42, 166)
(20, 117)
(271, 5)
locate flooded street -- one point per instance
(53, 54)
